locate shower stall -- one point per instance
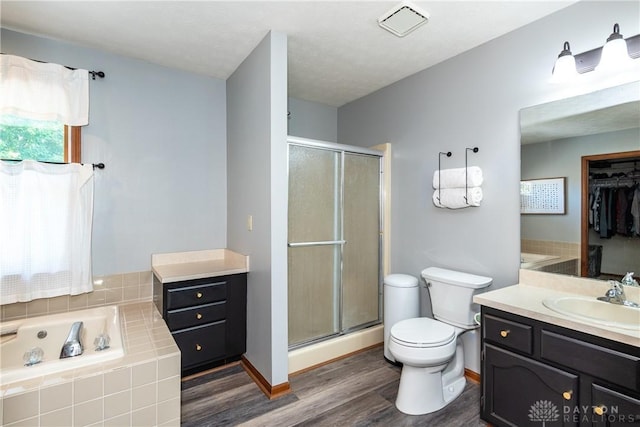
(334, 240)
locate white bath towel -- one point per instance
(453, 198)
(454, 178)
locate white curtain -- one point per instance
(43, 91)
(46, 214)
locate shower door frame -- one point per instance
(342, 149)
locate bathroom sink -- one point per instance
(592, 310)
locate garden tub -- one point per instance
(49, 334)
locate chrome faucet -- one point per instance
(72, 346)
(615, 295)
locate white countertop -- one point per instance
(526, 298)
(179, 266)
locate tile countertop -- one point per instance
(526, 298)
(179, 266)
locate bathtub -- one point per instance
(528, 260)
(19, 336)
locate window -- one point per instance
(48, 141)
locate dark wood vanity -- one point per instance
(202, 297)
(207, 318)
(535, 372)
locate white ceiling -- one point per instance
(337, 52)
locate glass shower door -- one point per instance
(361, 253)
(315, 243)
(334, 242)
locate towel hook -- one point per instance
(466, 171)
(448, 154)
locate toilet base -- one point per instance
(420, 390)
(427, 389)
(454, 389)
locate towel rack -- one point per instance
(448, 154)
(466, 171)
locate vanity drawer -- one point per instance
(601, 362)
(186, 296)
(509, 334)
(201, 344)
(195, 316)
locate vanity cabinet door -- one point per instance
(518, 391)
(613, 409)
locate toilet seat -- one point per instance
(422, 332)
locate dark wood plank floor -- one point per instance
(356, 391)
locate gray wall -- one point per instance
(308, 119)
(563, 158)
(257, 183)
(472, 100)
(162, 135)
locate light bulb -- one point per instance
(615, 55)
(565, 68)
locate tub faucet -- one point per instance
(615, 295)
(72, 346)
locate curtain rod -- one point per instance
(95, 165)
(94, 74)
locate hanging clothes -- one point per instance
(615, 211)
(635, 212)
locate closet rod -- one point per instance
(612, 182)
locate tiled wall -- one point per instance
(107, 290)
(569, 263)
(569, 267)
(549, 247)
(142, 389)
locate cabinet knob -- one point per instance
(199, 295)
(567, 395)
(504, 333)
(198, 347)
(598, 410)
(198, 316)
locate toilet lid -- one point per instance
(423, 332)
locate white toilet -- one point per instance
(431, 350)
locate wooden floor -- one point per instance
(356, 391)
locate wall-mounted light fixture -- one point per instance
(616, 54)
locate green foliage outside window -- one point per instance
(24, 139)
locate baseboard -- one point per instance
(472, 376)
(272, 392)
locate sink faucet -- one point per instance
(72, 346)
(615, 295)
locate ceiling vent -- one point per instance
(403, 19)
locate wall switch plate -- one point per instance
(250, 222)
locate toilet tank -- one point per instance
(451, 294)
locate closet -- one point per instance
(610, 215)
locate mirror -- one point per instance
(557, 139)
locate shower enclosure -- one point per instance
(334, 235)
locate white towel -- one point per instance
(453, 198)
(454, 178)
